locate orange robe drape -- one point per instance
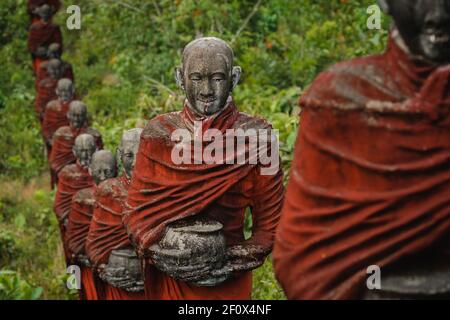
(370, 180)
(162, 192)
(107, 232)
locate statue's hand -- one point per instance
(178, 264)
(119, 277)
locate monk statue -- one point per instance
(41, 34)
(46, 88)
(32, 5)
(108, 246)
(71, 179)
(186, 218)
(63, 139)
(55, 115)
(370, 181)
(102, 167)
(54, 52)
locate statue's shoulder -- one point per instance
(53, 105)
(245, 121)
(63, 132)
(351, 84)
(162, 126)
(93, 132)
(84, 196)
(109, 188)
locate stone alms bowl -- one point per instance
(128, 259)
(194, 241)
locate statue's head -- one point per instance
(128, 149)
(83, 149)
(44, 12)
(65, 90)
(54, 51)
(103, 166)
(55, 68)
(207, 75)
(77, 114)
(424, 26)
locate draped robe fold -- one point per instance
(370, 180)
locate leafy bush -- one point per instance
(12, 287)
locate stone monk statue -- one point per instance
(71, 179)
(54, 52)
(32, 5)
(370, 182)
(55, 116)
(187, 219)
(41, 34)
(102, 167)
(108, 246)
(63, 139)
(46, 88)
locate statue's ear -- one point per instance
(90, 171)
(74, 151)
(179, 79)
(235, 76)
(384, 5)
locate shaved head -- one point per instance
(209, 45)
(103, 166)
(65, 89)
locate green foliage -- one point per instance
(123, 58)
(12, 287)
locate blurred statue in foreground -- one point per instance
(187, 219)
(102, 167)
(108, 246)
(370, 180)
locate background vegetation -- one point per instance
(123, 57)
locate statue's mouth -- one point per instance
(435, 44)
(437, 37)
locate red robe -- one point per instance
(370, 180)
(72, 179)
(63, 141)
(162, 192)
(79, 219)
(55, 116)
(42, 34)
(107, 232)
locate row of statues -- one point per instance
(369, 184)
